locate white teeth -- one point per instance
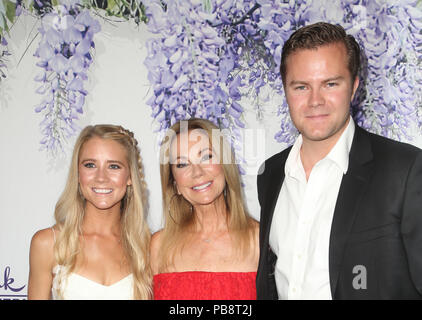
(102, 190)
(202, 186)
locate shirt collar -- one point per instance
(339, 154)
(294, 167)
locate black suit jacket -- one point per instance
(377, 221)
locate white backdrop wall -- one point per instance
(31, 181)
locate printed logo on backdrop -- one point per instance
(11, 288)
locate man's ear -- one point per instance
(355, 87)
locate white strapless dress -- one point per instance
(77, 287)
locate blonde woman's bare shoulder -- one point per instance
(43, 241)
(154, 250)
(156, 240)
(42, 249)
(41, 263)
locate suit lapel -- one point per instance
(352, 189)
(275, 182)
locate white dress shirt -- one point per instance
(301, 225)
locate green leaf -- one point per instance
(10, 10)
(2, 8)
(111, 4)
(3, 24)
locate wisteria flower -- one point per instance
(64, 55)
(192, 62)
(3, 56)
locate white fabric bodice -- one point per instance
(77, 287)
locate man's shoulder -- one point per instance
(280, 156)
(382, 145)
(274, 161)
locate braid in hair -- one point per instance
(137, 234)
(135, 146)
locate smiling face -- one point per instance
(104, 173)
(319, 90)
(196, 168)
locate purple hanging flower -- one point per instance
(389, 99)
(64, 56)
(192, 60)
(3, 57)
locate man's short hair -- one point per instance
(317, 35)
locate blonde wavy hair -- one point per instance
(178, 214)
(135, 234)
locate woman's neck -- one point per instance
(212, 217)
(103, 222)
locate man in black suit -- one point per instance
(341, 210)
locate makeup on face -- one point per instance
(104, 173)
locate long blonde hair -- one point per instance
(178, 213)
(135, 234)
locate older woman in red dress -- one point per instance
(208, 248)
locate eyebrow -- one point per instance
(199, 153)
(334, 79)
(206, 149)
(181, 157)
(108, 161)
(296, 82)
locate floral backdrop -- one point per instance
(206, 56)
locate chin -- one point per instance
(105, 206)
(318, 135)
(317, 138)
(209, 201)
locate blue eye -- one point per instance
(89, 165)
(114, 166)
(181, 165)
(331, 84)
(207, 157)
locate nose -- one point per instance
(101, 174)
(197, 170)
(316, 98)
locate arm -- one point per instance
(41, 262)
(412, 221)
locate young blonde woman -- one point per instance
(208, 248)
(99, 246)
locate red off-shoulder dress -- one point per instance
(204, 285)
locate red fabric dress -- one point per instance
(203, 285)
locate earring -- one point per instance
(179, 198)
(177, 189)
(169, 208)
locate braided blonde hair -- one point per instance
(135, 234)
